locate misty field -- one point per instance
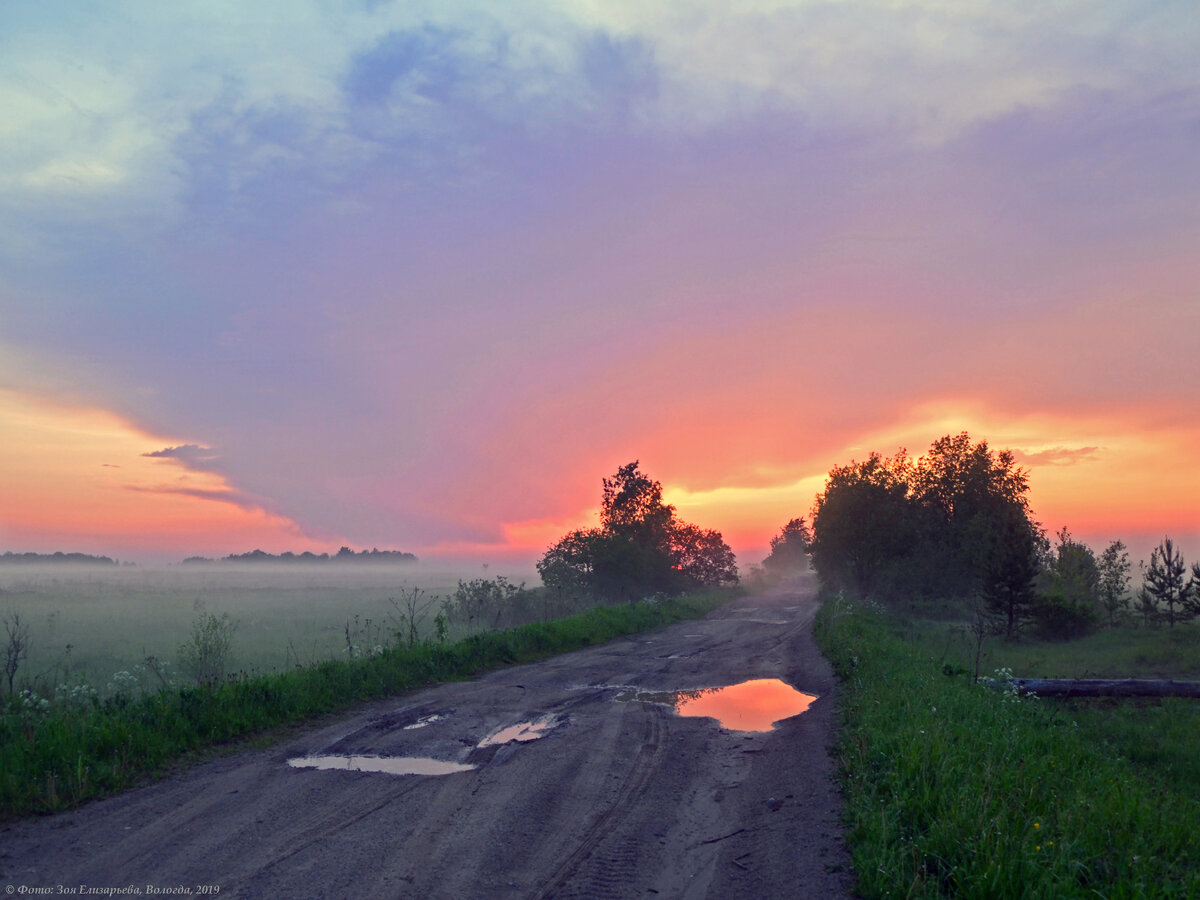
(88, 623)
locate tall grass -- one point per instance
(956, 789)
(56, 755)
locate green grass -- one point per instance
(956, 790)
(59, 756)
(1129, 651)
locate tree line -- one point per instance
(956, 524)
(345, 554)
(8, 557)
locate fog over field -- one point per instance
(88, 622)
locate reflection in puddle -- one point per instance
(392, 765)
(749, 706)
(525, 731)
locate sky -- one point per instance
(419, 275)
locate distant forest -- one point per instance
(58, 557)
(344, 555)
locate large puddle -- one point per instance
(750, 706)
(392, 765)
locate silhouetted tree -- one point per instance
(1071, 589)
(640, 548)
(701, 557)
(1010, 566)
(893, 526)
(1164, 581)
(1114, 568)
(789, 548)
(966, 487)
(864, 525)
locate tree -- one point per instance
(702, 558)
(568, 568)
(1164, 581)
(640, 548)
(864, 525)
(1146, 604)
(789, 548)
(1011, 563)
(1114, 568)
(898, 527)
(1071, 589)
(965, 487)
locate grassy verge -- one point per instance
(55, 756)
(955, 789)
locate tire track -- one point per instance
(600, 883)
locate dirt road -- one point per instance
(604, 797)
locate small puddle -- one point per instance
(750, 706)
(426, 720)
(391, 765)
(524, 731)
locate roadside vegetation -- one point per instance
(57, 752)
(958, 788)
(940, 589)
(64, 740)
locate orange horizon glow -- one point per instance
(79, 479)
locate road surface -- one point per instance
(594, 797)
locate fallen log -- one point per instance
(1096, 687)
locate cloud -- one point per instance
(1057, 456)
(233, 497)
(192, 456)
(419, 273)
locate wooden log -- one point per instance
(1097, 687)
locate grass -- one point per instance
(1128, 651)
(55, 756)
(957, 790)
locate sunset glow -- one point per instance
(84, 479)
(419, 278)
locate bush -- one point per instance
(1060, 617)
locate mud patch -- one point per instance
(749, 706)
(390, 765)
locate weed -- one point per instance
(205, 654)
(16, 645)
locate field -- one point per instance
(954, 788)
(87, 623)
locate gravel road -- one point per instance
(597, 797)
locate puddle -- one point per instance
(426, 720)
(524, 731)
(750, 706)
(391, 765)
